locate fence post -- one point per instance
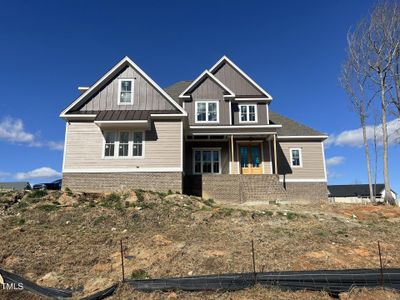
(122, 261)
(380, 261)
(254, 261)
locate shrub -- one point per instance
(68, 191)
(38, 193)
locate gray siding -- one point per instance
(208, 90)
(261, 114)
(145, 96)
(236, 82)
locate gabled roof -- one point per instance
(225, 59)
(200, 79)
(354, 190)
(126, 61)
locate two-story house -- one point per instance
(214, 136)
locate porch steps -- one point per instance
(263, 187)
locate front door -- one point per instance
(250, 159)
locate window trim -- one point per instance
(201, 160)
(132, 91)
(130, 144)
(248, 113)
(206, 102)
(300, 157)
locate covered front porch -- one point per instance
(231, 154)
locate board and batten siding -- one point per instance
(208, 90)
(145, 96)
(236, 82)
(312, 160)
(85, 146)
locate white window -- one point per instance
(295, 158)
(110, 140)
(248, 113)
(123, 143)
(125, 91)
(206, 161)
(137, 149)
(129, 144)
(207, 111)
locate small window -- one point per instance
(110, 144)
(207, 111)
(248, 113)
(295, 157)
(125, 91)
(206, 161)
(137, 144)
(123, 143)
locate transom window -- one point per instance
(124, 144)
(125, 91)
(295, 157)
(206, 161)
(207, 111)
(248, 113)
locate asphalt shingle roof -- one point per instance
(289, 126)
(351, 190)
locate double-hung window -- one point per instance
(248, 113)
(207, 111)
(125, 91)
(295, 158)
(110, 140)
(137, 149)
(206, 161)
(124, 144)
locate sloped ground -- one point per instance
(71, 240)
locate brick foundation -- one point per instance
(309, 191)
(236, 187)
(106, 182)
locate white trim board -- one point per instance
(302, 180)
(235, 126)
(285, 137)
(123, 62)
(124, 170)
(226, 59)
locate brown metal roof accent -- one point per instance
(124, 115)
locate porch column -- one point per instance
(232, 158)
(275, 157)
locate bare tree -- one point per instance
(354, 78)
(382, 49)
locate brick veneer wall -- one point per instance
(242, 188)
(106, 182)
(306, 190)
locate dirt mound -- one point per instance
(72, 240)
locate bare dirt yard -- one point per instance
(71, 240)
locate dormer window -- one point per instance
(248, 113)
(207, 111)
(125, 92)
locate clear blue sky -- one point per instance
(293, 49)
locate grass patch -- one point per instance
(139, 195)
(48, 207)
(99, 220)
(38, 194)
(139, 274)
(22, 205)
(342, 231)
(209, 202)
